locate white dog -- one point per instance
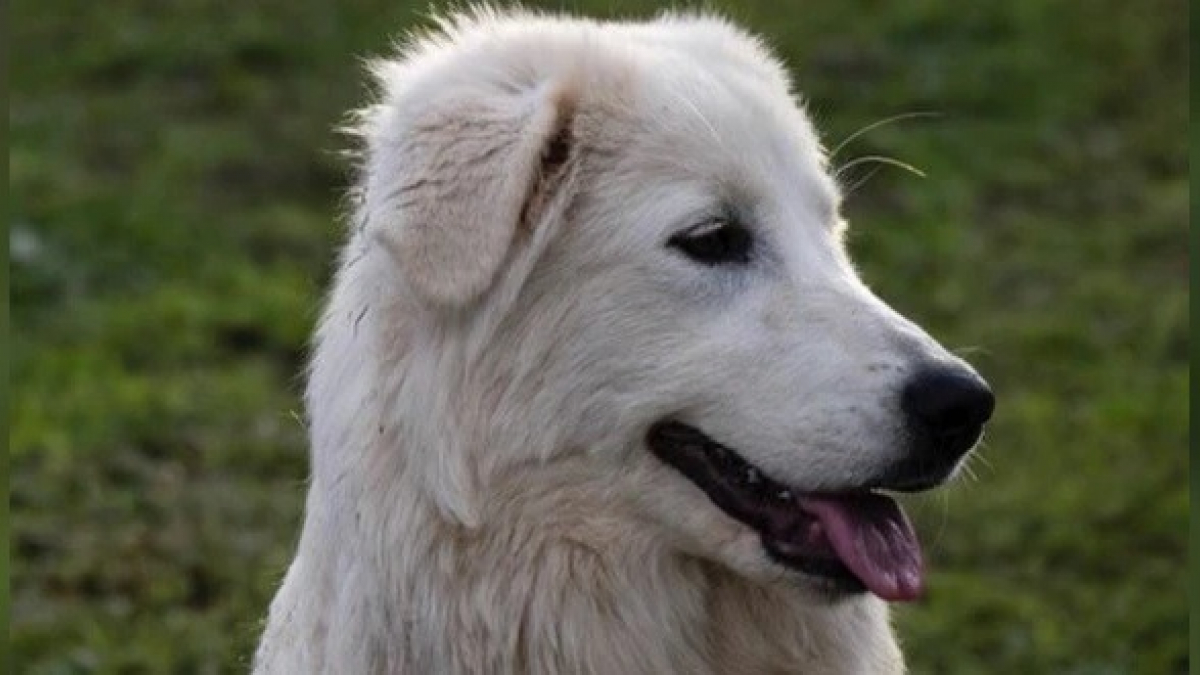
(597, 389)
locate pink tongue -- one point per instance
(873, 538)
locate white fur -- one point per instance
(505, 326)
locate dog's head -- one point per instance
(620, 245)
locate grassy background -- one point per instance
(175, 185)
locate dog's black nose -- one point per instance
(947, 402)
(945, 410)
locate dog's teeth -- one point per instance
(784, 495)
(752, 476)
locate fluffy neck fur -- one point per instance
(553, 585)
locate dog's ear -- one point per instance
(452, 183)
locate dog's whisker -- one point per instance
(971, 350)
(875, 125)
(878, 159)
(862, 181)
(298, 419)
(980, 458)
(941, 501)
(969, 471)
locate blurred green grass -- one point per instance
(175, 187)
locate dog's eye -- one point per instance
(716, 242)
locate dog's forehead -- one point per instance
(710, 105)
(730, 138)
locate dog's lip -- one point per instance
(854, 539)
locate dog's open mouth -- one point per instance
(855, 540)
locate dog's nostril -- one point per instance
(947, 401)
